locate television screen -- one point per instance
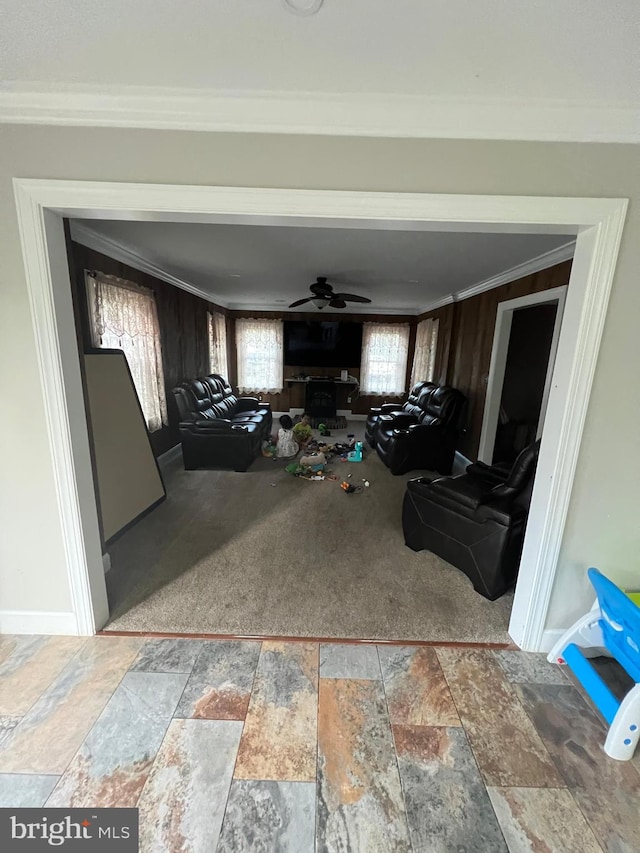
(322, 343)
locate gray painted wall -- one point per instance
(602, 527)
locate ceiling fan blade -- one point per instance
(338, 303)
(300, 302)
(351, 297)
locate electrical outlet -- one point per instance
(348, 399)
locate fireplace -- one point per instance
(320, 399)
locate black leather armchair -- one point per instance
(425, 435)
(218, 429)
(410, 407)
(475, 521)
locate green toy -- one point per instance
(322, 428)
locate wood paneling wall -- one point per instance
(292, 396)
(463, 355)
(465, 339)
(183, 327)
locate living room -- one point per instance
(169, 573)
(456, 118)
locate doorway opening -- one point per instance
(597, 224)
(523, 357)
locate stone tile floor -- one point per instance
(233, 745)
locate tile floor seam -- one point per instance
(596, 713)
(471, 749)
(40, 695)
(235, 760)
(316, 786)
(572, 788)
(95, 723)
(515, 695)
(557, 764)
(586, 817)
(88, 732)
(189, 674)
(79, 749)
(153, 763)
(395, 752)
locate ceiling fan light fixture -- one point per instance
(319, 302)
(302, 7)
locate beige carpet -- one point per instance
(267, 553)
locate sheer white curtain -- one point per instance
(218, 344)
(424, 357)
(260, 347)
(385, 349)
(124, 316)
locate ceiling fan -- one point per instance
(323, 295)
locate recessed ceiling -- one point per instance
(268, 267)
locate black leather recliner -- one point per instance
(217, 428)
(410, 407)
(475, 521)
(423, 435)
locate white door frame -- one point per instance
(598, 224)
(498, 366)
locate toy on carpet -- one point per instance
(309, 467)
(316, 460)
(323, 429)
(349, 488)
(612, 628)
(355, 455)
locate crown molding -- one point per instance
(534, 265)
(82, 233)
(540, 262)
(439, 303)
(352, 308)
(321, 113)
(124, 253)
(119, 251)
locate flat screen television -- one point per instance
(313, 343)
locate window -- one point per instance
(123, 316)
(217, 344)
(260, 347)
(424, 357)
(385, 349)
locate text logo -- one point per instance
(36, 830)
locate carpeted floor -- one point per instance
(267, 553)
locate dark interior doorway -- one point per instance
(524, 380)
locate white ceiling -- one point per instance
(574, 53)
(582, 49)
(268, 267)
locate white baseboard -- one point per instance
(353, 417)
(550, 638)
(168, 456)
(37, 622)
